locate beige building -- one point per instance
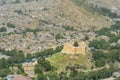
(29, 68)
(69, 48)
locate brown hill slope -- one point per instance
(60, 12)
(50, 18)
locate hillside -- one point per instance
(112, 5)
(28, 14)
(60, 39)
(61, 61)
(33, 24)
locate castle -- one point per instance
(69, 48)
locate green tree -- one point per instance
(73, 73)
(100, 62)
(27, 0)
(58, 36)
(86, 37)
(3, 63)
(20, 68)
(17, 1)
(4, 72)
(41, 77)
(38, 69)
(58, 49)
(76, 44)
(3, 29)
(45, 65)
(99, 44)
(118, 78)
(10, 25)
(29, 56)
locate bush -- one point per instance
(59, 36)
(101, 44)
(41, 77)
(76, 44)
(17, 1)
(3, 29)
(10, 25)
(68, 28)
(58, 49)
(19, 12)
(44, 64)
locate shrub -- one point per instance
(76, 44)
(3, 29)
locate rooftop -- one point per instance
(17, 77)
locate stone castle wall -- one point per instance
(70, 49)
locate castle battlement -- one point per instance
(69, 48)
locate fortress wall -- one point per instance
(70, 49)
(80, 50)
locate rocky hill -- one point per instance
(29, 13)
(32, 25)
(112, 5)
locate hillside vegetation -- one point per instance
(34, 31)
(62, 60)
